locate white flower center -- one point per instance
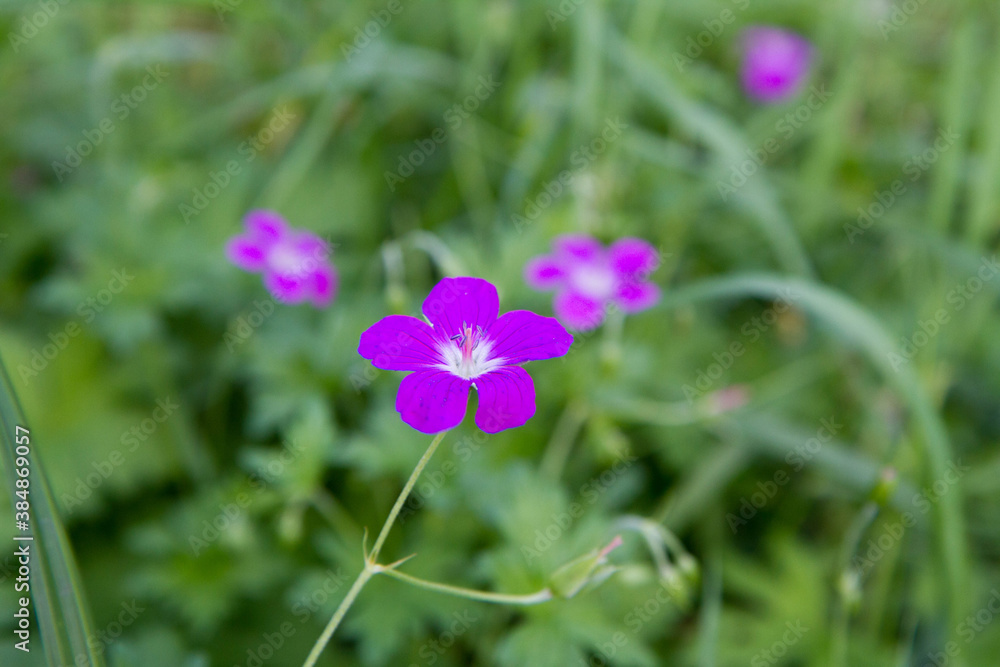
(468, 355)
(595, 281)
(284, 259)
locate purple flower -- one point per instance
(295, 263)
(586, 277)
(465, 344)
(775, 63)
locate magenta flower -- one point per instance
(587, 277)
(465, 344)
(776, 63)
(295, 263)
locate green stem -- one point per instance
(538, 597)
(338, 616)
(404, 494)
(563, 436)
(371, 568)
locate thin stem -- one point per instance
(338, 616)
(371, 568)
(565, 432)
(538, 597)
(404, 494)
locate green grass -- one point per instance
(852, 347)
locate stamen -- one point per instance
(467, 344)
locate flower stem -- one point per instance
(538, 597)
(371, 567)
(338, 616)
(563, 436)
(403, 495)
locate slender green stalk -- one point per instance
(538, 597)
(404, 494)
(561, 443)
(338, 615)
(862, 331)
(371, 567)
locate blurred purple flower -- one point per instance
(776, 63)
(295, 264)
(465, 344)
(586, 276)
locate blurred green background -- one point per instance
(215, 460)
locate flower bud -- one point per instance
(590, 569)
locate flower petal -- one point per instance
(246, 253)
(776, 63)
(520, 336)
(457, 301)
(400, 343)
(578, 311)
(578, 248)
(631, 258)
(287, 288)
(633, 297)
(432, 401)
(544, 272)
(506, 399)
(324, 286)
(265, 226)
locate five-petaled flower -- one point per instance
(464, 343)
(295, 263)
(775, 63)
(586, 277)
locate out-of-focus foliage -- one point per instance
(216, 457)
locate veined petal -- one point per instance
(633, 297)
(544, 272)
(506, 399)
(456, 301)
(520, 336)
(632, 258)
(578, 311)
(400, 343)
(432, 401)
